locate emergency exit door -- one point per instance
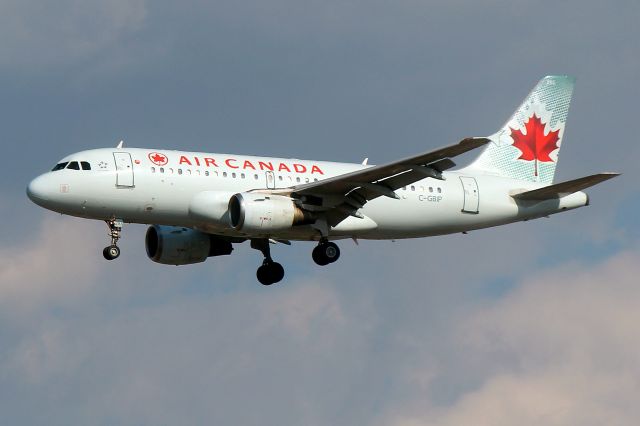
(124, 169)
(471, 196)
(271, 179)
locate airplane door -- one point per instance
(471, 196)
(124, 169)
(271, 179)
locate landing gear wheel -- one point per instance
(325, 253)
(270, 273)
(115, 228)
(318, 257)
(111, 252)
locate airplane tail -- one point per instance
(527, 146)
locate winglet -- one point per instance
(120, 145)
(564, 188)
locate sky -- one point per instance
(531, 323)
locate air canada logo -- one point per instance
(533, 143)
(158, 159)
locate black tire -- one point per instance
(270, 273)
(325, 253)
(277, 272)
(111, 252)
(263, 275)
(319, 257)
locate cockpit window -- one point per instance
(73, 165)
(59, 166)
(85, 165)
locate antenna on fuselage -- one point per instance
(120, 145)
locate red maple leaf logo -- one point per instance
(158, 159)
(535, 145)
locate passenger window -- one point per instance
(315, 179)
(404, 188)
(306, 180)
(161, 169)
(413, 188)
(431, 189)
(224, 174)
(242, 175)
(179, 171)
(280, 178)
(298, 179)
(206, 172)
(85, 165)
(233, 175)
(73, 165)
(188, 171)
(153, 169)
(255, 177)
(198, 172)
(439, 190)
(59, 166)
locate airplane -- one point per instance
(200, 204)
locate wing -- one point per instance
(341, 196)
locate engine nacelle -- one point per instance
(173, 245)
(211, 207)
(264, 213)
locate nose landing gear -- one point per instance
(270, 272)
(115, 229)
(325, 253)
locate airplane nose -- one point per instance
(37, 190)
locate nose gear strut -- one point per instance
(112, 251)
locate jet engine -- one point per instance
(264, 213)
(173, 245)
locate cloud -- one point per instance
(560, 349)
(189, 360)
(401, 333)
(51, 267)
(43, 34)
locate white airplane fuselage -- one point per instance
(128, 185)
(200, 204)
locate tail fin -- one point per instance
(527, 146)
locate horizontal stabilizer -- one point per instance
(564, 188)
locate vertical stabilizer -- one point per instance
(527, 146)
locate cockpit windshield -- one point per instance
(59, 166)
(72, 165)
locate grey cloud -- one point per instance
(560, 349)
(45, 270)
(374, 337)
(42, 34)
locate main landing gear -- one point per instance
(270, 272)
(325, 253)
(115, 228)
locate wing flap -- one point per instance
(564, 188)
